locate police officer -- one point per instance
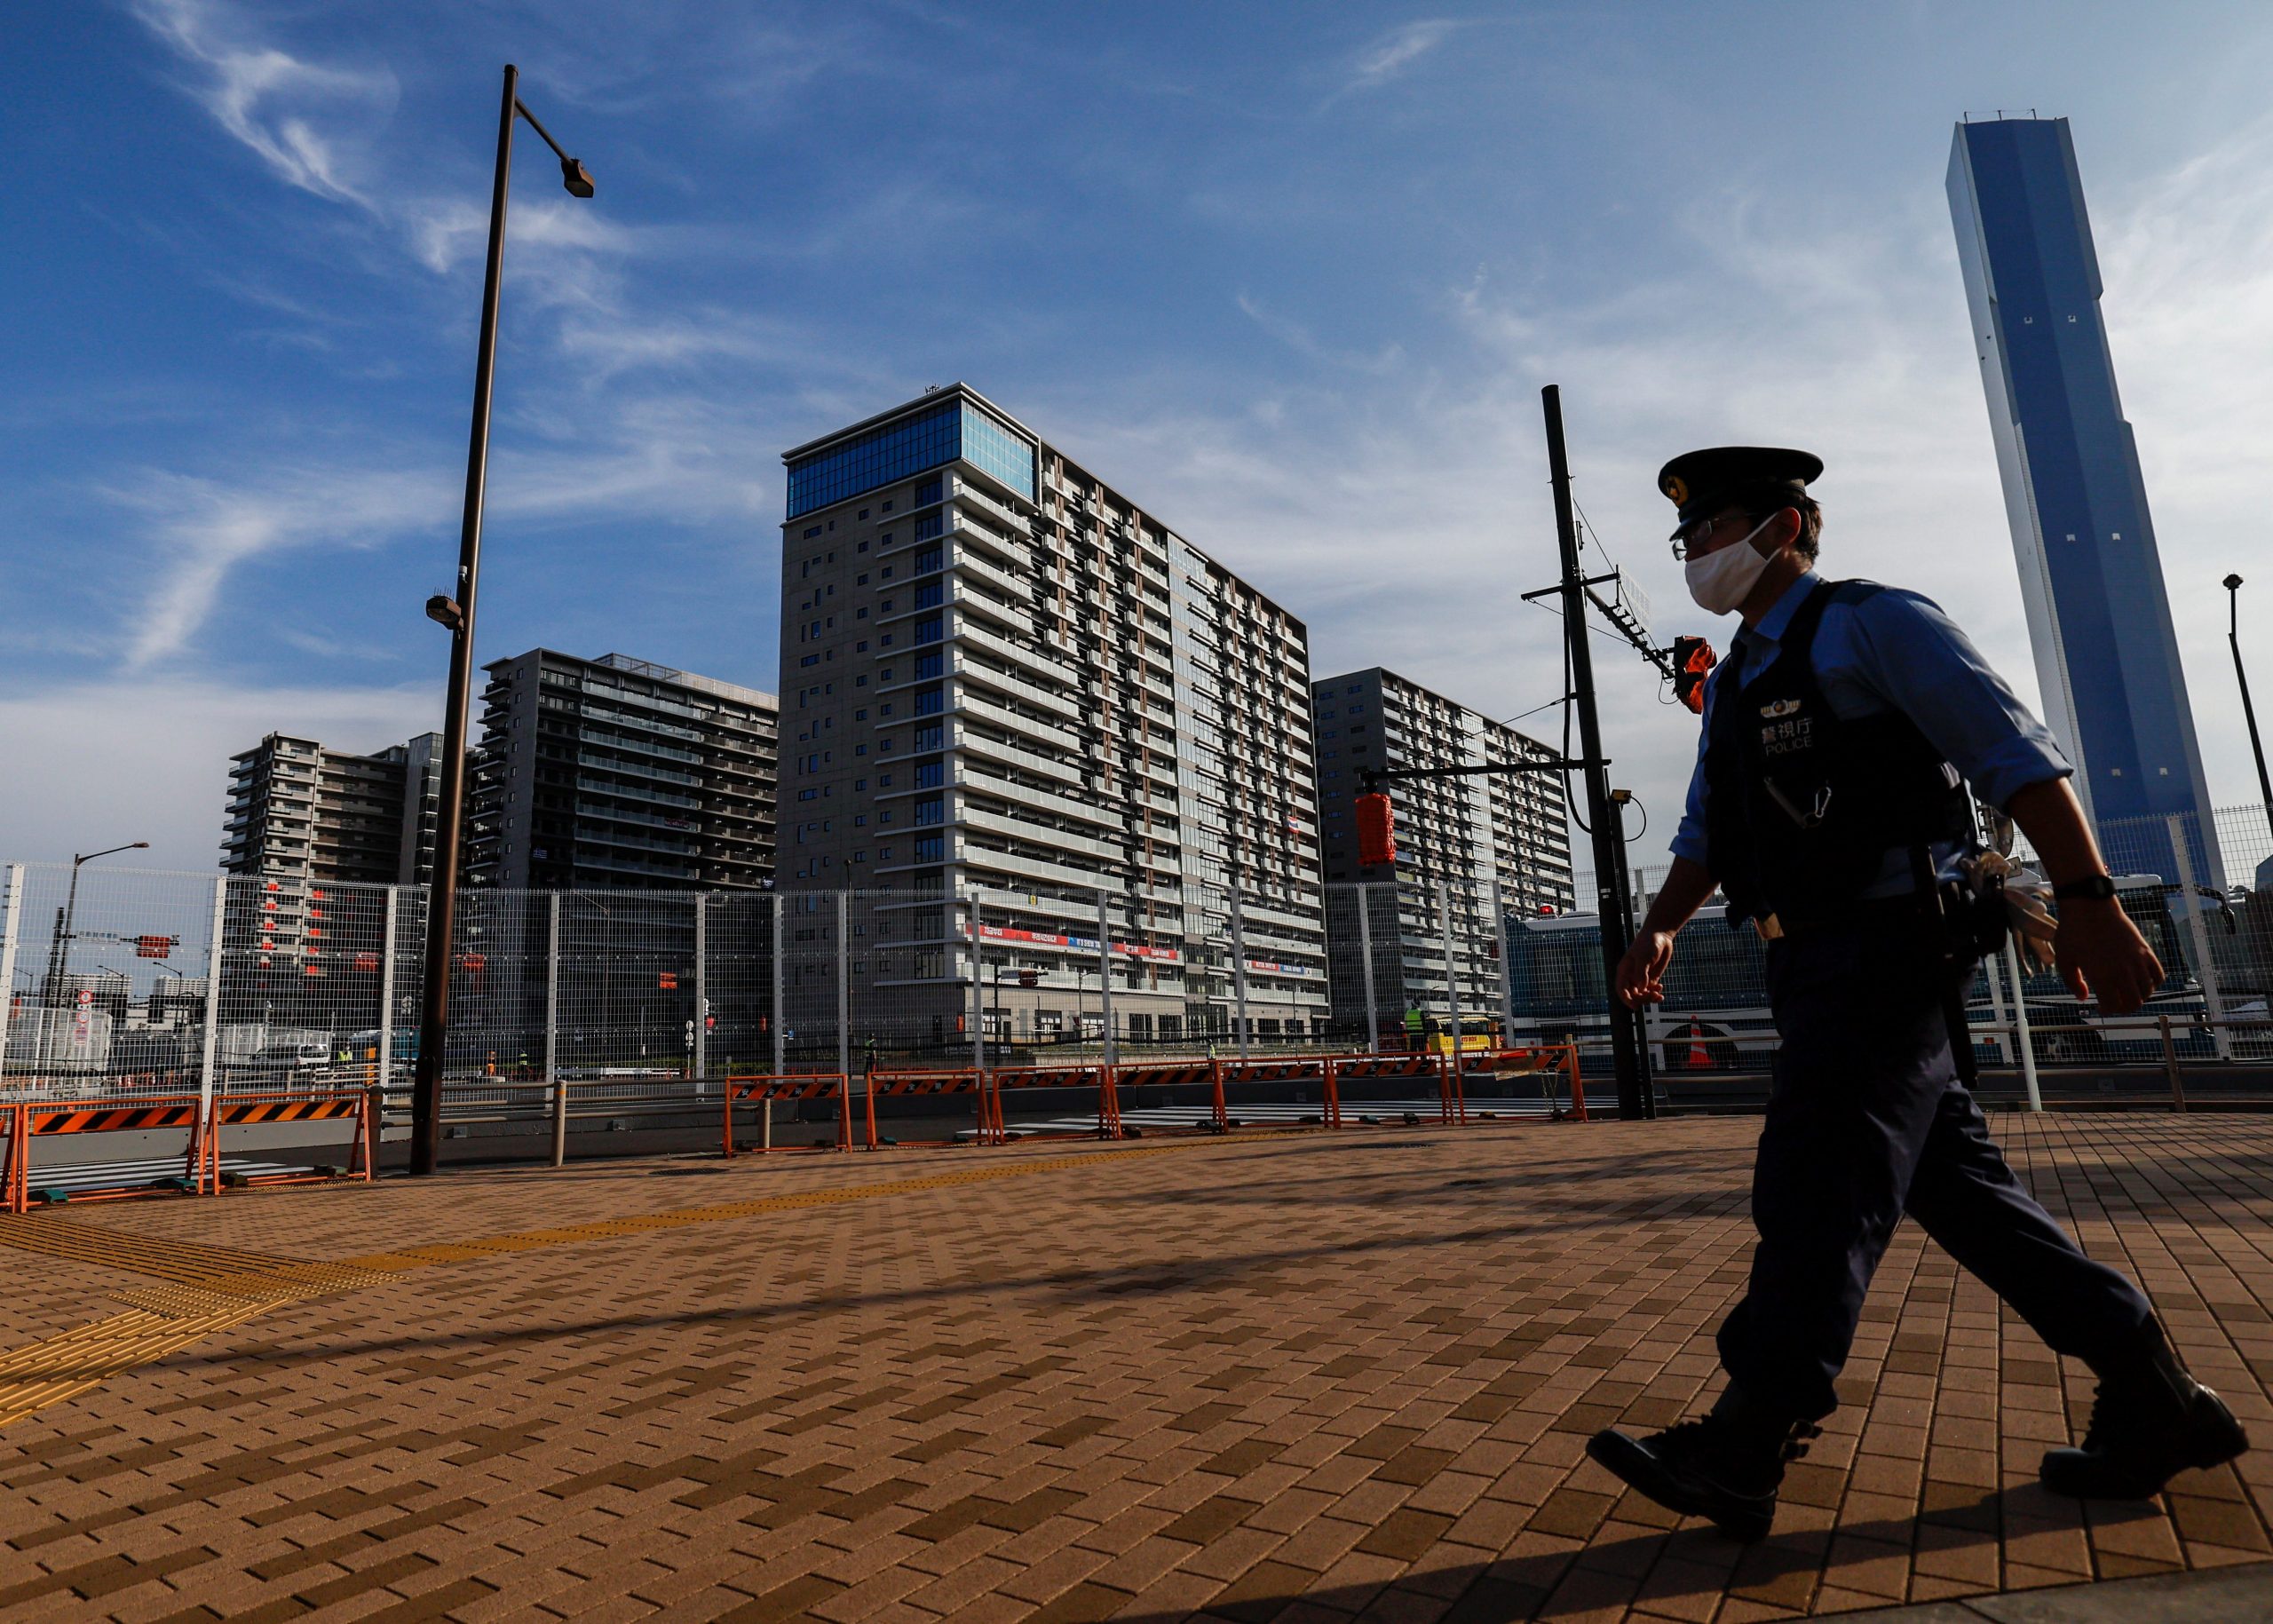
(1828, 807)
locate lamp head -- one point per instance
(2233, 583)
(139, 845)
(575, 177)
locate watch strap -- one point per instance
(2096, 888)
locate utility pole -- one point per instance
(2248, 712)
(1609, 901)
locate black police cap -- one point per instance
(1703, 482)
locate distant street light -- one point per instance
(59, 951)
(457, 613)
(2249, 713)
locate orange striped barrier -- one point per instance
(802, 1085)
(245, 1110)
(922, 1085)
(27, 1120)
(993, 1130)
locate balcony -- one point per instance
(970, 817)
(984, 709)
(972, 856)
(969, 528)
(1018, 654)
(971, 670)
(980, 567)
(974, 776)
(976, 744)
(978, 497)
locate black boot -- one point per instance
(2151, 1420)
(1726, 1467)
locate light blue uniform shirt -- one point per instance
(1894, 651)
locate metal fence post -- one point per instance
(1451, 972)
(1366, 960)
(2020, 1025)
(978, 994)
(844, 988)
(1104, 971)
(1238, 968)
(2205, 968)
(701, 991)
(8, 960)
(552, 1036)
(1507, 970)
(212, 1001)
(2170, 1065)
(780, 1033)
(384, 1073)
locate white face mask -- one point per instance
(1721, 581)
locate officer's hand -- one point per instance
(1641, 973)
(2102, 955)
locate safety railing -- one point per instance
(288, 1105)
(919, 1084)
(764, 1091)
(2085, 1062)
(27, 1122)
(202, 1125)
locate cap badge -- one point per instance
(1678, 489)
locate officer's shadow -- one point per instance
(1677, 1561)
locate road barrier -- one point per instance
(26, 1122)
(921, 1084)
(297, 1106)
(993, 1130)
(800, 1086)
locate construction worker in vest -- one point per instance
(1416, 1029)
(1828, 805)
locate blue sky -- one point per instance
(1289, 275)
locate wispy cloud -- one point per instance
(308, 121)
(206, 528)
(1300, 339)
(1385, 58)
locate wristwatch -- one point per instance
(2098, 887)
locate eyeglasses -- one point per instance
(1686, 539)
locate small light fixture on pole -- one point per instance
(456, 613)
(2249, 713)
(59, 952)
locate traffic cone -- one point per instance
(1700, 1058)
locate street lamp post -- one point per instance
(59, 951)
(456, 614)
(2249, 713)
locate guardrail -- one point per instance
(2153, 1043)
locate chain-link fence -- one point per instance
(2203, 898)
(124, 980)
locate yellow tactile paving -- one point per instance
(216, 1288)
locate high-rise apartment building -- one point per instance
(1005, 688)
(2091, 576)
(1495, 843)
(306, 819)
(299, 811)
(617, 772)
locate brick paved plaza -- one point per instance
(1299, 1375)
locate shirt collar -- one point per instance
(1773, 623)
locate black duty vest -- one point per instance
(1800, 807)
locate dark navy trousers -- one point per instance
(1866, 1120)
